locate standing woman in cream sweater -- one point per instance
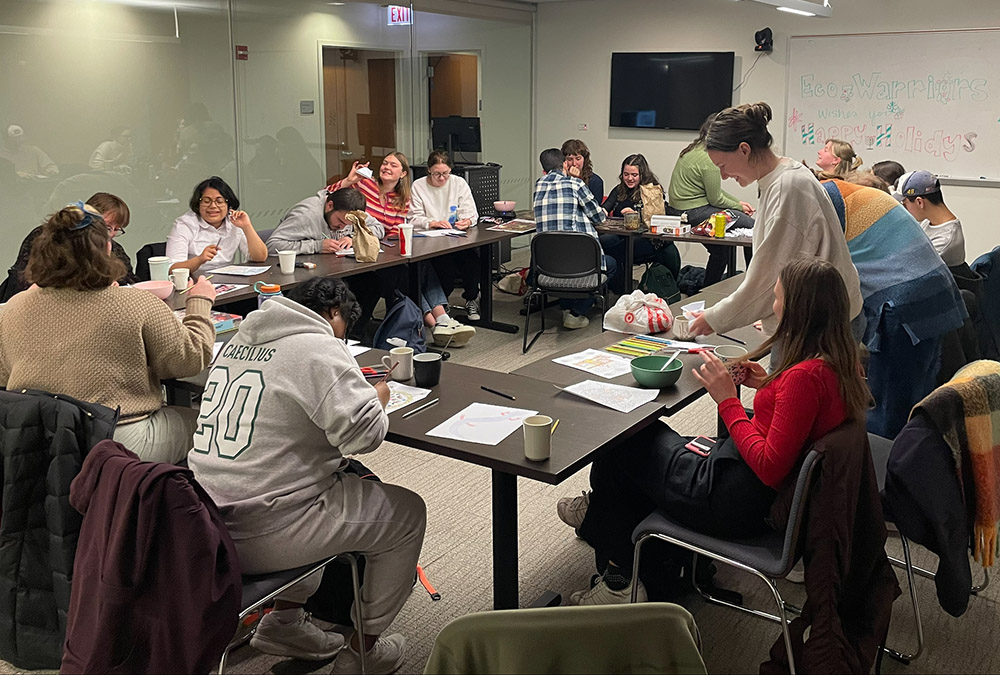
(795, 219)
(76, 333)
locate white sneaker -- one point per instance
(453, 334)
(472, 310)
(574, 322)
(384, 658)
(572, 510)
(600, 594)
(301, 638)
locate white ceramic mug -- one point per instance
(159, 268)
(404, 357)
(286, 261)
(537, 437)
(180, 278)
(406, 240)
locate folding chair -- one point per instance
(769, 556)
(880, 456)
(566, 265)
(260, 589)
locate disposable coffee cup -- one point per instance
(159, 268)
(286, 261)
(537, 437)
(427, 369)
(402, 356)
(406, 240)
(180, 278)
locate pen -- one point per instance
(423, 407)
(732, 338)
(498, 393)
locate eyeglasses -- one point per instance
(441, 174)
(208, 201)
(116, 231)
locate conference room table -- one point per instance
(617, 226)
(586, 429)
(331, 265)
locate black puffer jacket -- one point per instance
(43, 441)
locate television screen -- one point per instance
(670, 90)
(456, 133)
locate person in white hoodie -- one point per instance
(442, 201)
(208, 236)
(795, 219)
(283, 406)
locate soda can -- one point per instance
(720, 225)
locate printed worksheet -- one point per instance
(402, 395)
(356, 348)
(227, 288)
(597, 363)
(242, 270)
(482, 423)
(614, 396)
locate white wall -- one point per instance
(575, 41)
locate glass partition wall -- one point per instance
(145, 99)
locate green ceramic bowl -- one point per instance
(646, 371)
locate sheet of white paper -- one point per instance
(242, 270)
(602, 364)
(349, 252)
(692, 307)
(357, 350)
(614, 396)
(215, 351)
(227, 288)
(439, 233)
(351, 343)
(402, 395)
(482, 423)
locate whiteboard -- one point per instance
(929, 100)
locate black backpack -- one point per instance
(658, 280)
(691, 280)
(405, 321)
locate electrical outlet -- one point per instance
(581, 127)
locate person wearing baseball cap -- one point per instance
(920, 194)
(29, 160)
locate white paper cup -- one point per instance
(180, 278)
(286, 261)
(537, 437)
(682, 327)
(404, 357)
(159, 268)
(732, 356)
(406, 240)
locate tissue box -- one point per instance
(670, 225)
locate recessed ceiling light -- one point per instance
(337, 4)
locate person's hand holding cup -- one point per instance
(733, 357)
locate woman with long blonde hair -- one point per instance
(836, 159)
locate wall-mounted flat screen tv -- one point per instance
(669, 90)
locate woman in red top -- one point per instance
(387, 199)
(815, 387)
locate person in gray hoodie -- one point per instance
(283, 406)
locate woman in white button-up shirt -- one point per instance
(208, 236)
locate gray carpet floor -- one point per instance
(457, 550)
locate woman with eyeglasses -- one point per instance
(116, 216)
(208, 236)
(77, 333)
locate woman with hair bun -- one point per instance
(795, 219)
(836, 159)
(77, 333)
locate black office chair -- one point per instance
(769, 556)
(144, 254)
(264, 234)
(260, 589)
(566, 265)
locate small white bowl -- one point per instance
(504, 206)
(161, 289)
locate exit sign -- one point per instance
(400, 16)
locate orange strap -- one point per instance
(425, 582)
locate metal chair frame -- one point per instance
(350, 558)
(600, 291)
(789, 555)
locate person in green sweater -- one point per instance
(696, 188)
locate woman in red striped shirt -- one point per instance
(387, 199)
(815, 385)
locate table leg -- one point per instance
(505, 576)
(486, 254)
(629, 262)
(731, 261)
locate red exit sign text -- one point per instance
(400, 16)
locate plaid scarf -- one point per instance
(966, 410)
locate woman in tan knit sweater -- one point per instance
(75, 332)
